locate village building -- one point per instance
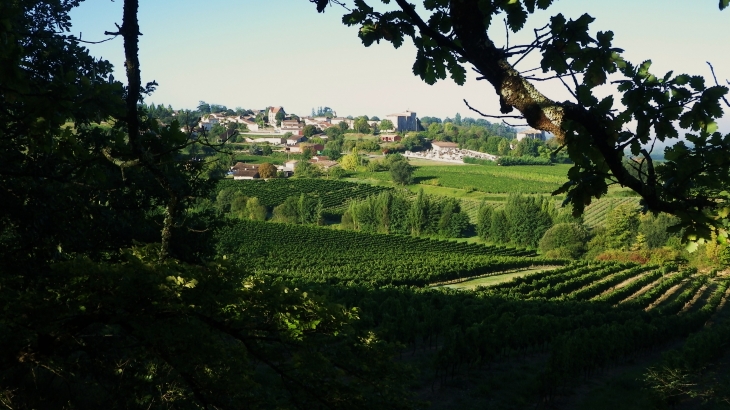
(294, 140)
(245, 171)
(271, 113)
(404, 121)
(531, 133)
(278, 140)
(293, 126)
(390, 137)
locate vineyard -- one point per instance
(570, 322)
(275, 191)
(492, 179)
(596, 212)
(321, 255)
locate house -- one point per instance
(404, 121)
(290, 165)
(325, 164)
(390, 137)
(272, 112)
(246, 174)
(318, 148)
(240, 166)
(270, 140)
(208, 121)
(245, 171)
(293, 126)
(250, 124)
(294, 140)
(319, 158)
(440, 146)
(532, 133)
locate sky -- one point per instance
(259, 53)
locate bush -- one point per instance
(478, 161)
(512, 161)
(569, 238)
(401, 172)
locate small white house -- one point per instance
(531, 133)
(441, 146)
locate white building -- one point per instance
(531, 133)
(442, 146)
(404, 121)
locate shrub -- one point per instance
(569, 238)
(511, 161)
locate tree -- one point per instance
(279, 118)
(564, 240)
(351, 161)
(622, 224)
(387, 125)
(304, 169)
(309, 130)
(484, 221)
(203, 107)
(402, 172)
(267, 170)
(103, 215)
(255, 210)
(361, 125)
(266, 150)
(451, 34)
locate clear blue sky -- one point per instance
(258, 53)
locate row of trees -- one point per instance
(522, 221)
(396, 212)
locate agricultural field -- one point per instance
(321, 255)
(522, 340)
(596, 212)
(275, 191)
(486, 178)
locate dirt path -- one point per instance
(622, 284)
(671, 293)
(702, 293)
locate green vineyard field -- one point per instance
(596, 212)
(581, 317)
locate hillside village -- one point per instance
(288, 132)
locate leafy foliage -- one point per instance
(692, 184)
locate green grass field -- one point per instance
(495, 279)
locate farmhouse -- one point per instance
(245, 171)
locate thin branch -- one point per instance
(113, 36)
(570, 90)
(712, 69)
(546, 78)
(515, 125)
(490, 116)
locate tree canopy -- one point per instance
(598, 133)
